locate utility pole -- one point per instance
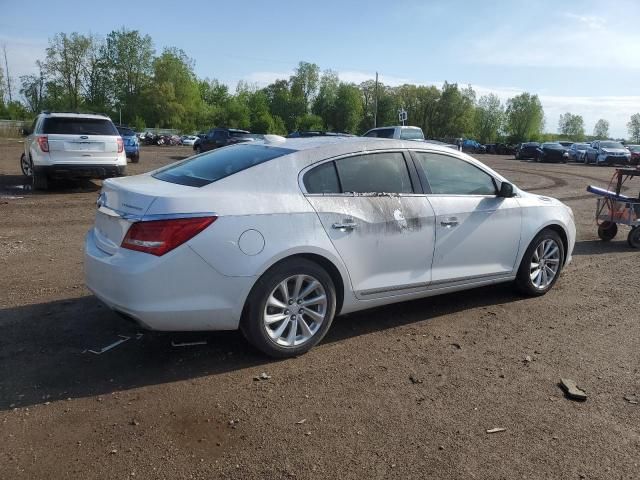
(375, 112)
(6, 69)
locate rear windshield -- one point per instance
(79, 126)
(126, 132)
(240, 134)
(217, 164)
(411, 134)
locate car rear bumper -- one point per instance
(176, 292)
(80, 170)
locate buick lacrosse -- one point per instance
(278, 237)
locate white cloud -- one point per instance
(593, 22)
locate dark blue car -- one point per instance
(131, 143)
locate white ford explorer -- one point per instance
(72, 145)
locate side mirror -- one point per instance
(506, 190)
(25, 132)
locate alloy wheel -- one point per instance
(25, 165)
(545, 264)
(295, 310)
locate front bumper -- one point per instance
(176, 292)
(80, 170)
(614, 159)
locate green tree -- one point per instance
(454, 112)
(66, 63)
(634, 127)
(310, 122)
(325, 101)
(304, 85)
(601, 129)
(348, 109)
(572, 126)
(524, 117)
(488, 118)
(129, 58)
(33, 89)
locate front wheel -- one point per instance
(633, 239)
(541, 264)
(290, 309)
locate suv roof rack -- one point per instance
(49, 112)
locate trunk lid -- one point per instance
(124, 201)
(83, 148)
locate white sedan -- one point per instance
(278, 237)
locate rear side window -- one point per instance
(78, 126)
(322, 179)
(126, 132)
(382, 133)
(217, 164)
(451, 176)
(374, 173)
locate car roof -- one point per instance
(74, 115)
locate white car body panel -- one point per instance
(399, 251)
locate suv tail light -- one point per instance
(120, 144)
(43, 143)
(158, 237)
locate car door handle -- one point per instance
(449, 222)
(346, 225)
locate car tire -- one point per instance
(548, 246)
(607, 231)
(198, 150)
(25, 166)
(275, 336)
(135, 159)
(633, 239)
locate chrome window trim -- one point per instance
(136, 217)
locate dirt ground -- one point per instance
(481, 359)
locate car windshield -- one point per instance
(217, 164)
(78, 126)
(240, 134)
(411, 134)
(531, 144)
(581, 146)
(611, 145)
(551, 145)
(634, 148)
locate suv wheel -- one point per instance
(25, 166)
(198, 149)
(290, 309)
(633, 239)
(541, 264)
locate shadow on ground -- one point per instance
(598, 247)
(19, 185)
(43, 347)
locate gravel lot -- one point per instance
(405, 391)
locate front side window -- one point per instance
(217, 164)
(384, 172)
(452, 176)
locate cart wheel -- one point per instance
(634, 237)
(607, 230)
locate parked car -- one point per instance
(189, 140)
(72, 145)
(316, 133)
(131, 143)
(527, 150)
(552, 152)
(277, 237)
(635, 154)
(473, 146)
(565, 144)
(577, 151)
(398, 132)
(607, 152)
(221, 137)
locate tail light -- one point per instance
(43, 143)
(120, 144)
(158, 237)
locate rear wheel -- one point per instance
(25, 166)
(541, 264)
(607, 230)
(290, 309)
(198, 149)
(135, 159)
(633, 239)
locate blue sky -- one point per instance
(579, 56)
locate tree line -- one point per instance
(123, 76)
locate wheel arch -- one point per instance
(559, 229)
(332, 270)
